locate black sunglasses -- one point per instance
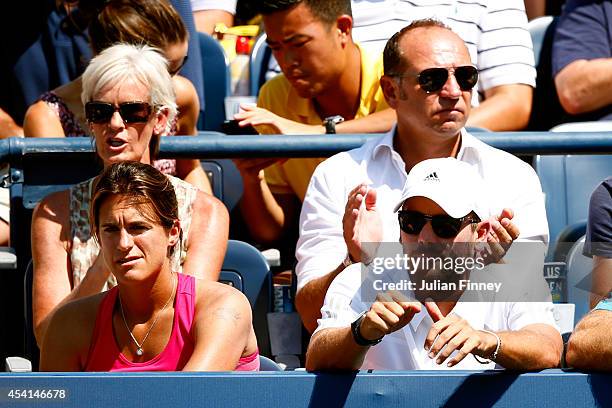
(444, 226)
(176, 70)
(131, 112)
(433, 79)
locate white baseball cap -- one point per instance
(454, 185)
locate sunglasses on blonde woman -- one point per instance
(131, 112)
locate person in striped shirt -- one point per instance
(496, 35)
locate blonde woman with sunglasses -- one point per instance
(154, 22)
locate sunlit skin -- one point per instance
(441, 114)
(130, 238)
(175, 54)
(308, 55)
(435, 245)
(118, 141)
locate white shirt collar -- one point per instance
(469, 143)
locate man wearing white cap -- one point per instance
(442, 203)
(428, 81)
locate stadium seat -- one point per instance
(567, 182)
(594, 126)
(215, 66)
(267, 364)
(579, 279)
(30, 346)
(225, 180)
(258, 64)
(247, 262)
(537, 29)
(568, 236)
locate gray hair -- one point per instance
(139, 63)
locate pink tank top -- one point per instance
(104, 354)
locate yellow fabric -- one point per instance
(279, 97)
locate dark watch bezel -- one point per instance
(359, 339)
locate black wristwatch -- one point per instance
(359, 339)
(330, 123)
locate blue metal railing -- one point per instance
(218, 145)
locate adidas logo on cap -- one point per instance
(432, 177)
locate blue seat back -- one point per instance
(215, 67)
(225, 180)
(258, 64)
(579, 269)
(246, 262)
(267, 364)
(567, 182)
(537, 29)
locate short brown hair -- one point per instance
(140, 184)
(393, 63)
(152, 22)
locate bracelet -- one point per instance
(493, 356)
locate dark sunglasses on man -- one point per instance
(444, 226)
(131, 112)
(433, 79)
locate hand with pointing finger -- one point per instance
(391, 311)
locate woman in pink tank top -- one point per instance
(154, 319)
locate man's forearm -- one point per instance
(309, 299)
(534, 348)
(377, 122)
(506, 107)
(584, 86)
(334, 349)
(263, 216)
(589, 346)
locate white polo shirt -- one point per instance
(511, 183)
(404, 349)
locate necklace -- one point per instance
(139, 350)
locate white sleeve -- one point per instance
(521, 314)
(320, 248)
(505, 50)
(342, 305)
(227, 5)
(529, 206)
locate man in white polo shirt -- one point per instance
(444, 204)
(428, 78)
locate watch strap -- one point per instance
(347, 261)
(356, 331)
(330, 123)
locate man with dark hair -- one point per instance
(328, 85)
(325, 10)
(430, 88)
(589, 346)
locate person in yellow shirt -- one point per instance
(328, 85)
